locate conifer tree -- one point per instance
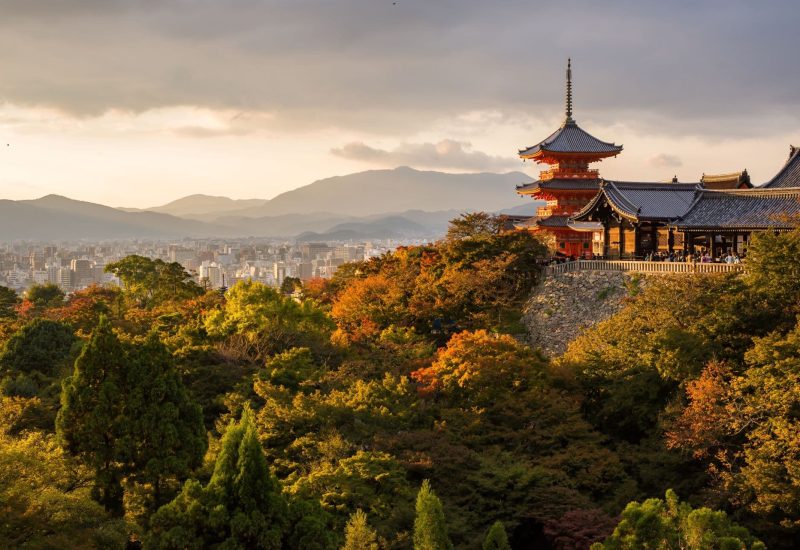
(358, 534)
(126, 413)
(242, 506)
(430, 531)
(164, 430)
(496, 538)
(88, 422)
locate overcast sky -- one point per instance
(135, 103)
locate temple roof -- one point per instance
(642, 201)
(789, 175)
(562, 184)
(571, 138)
(746, 209)
(732, 180)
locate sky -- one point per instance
(139, 102)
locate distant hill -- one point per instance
(368, 205)
(196, 206)
(58, 218)
(369, 193)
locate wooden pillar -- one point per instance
(711, 245)
(654, 237)
(637, 245)
(621, 238)
(606, 240)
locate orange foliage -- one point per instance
(367, 305)
(702, 424)
(481, 365)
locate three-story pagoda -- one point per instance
(568, 183)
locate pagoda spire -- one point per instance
(569, 90)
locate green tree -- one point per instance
(127, 414)
(242, 506)
(41, 346)
(8, 299)
(496, 538)
(163, 437)
(45, 296)
(150, 282)
(290, 285)
(258, 321)
(358, 534)
(89, 421)
(669, 523)
(430, 530)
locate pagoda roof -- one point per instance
(732, 180)
(742, 209)
(575, 184)
(572, 139)
(789, 175)
(642, 201)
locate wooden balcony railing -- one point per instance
(641, 267)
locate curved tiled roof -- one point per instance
(564, 184)
(571, 138)
(745, 209)
(733, 180)
(643, 201)
(789, 175)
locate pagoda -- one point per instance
(568, 183)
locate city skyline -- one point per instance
(252, 99)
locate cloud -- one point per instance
(446, 154)
(321, 62)
(664, 160)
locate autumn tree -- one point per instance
(368, 306)
(430, 530)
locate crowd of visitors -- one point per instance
(703, 256)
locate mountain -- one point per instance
(54, 217)
(382, 192)
(197, 206)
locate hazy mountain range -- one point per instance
(375, 204)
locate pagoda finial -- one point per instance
(569, 90)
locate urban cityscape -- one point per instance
(213, 264)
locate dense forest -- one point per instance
(396, 406)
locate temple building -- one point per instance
(717, 214)
(567, 184)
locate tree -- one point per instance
(163, 437)
(150, 282)
(257, 321)
(39, 346)
(290, 285)
(8, 299)
(358, 534)
(46, 500)
(88, 423)
(669, 523)
(496, 538)
(430, 531)
(367, 306)
(128, 415)
(45, 296)
(474, 224)
(241, 507)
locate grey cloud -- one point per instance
(708, 67)
(664, 160)
(446, 154)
